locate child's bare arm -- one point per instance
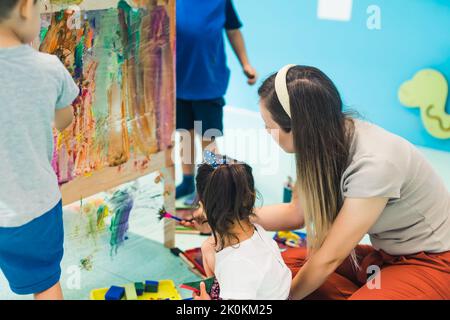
(208, 254)
(63, 118)
(238, 44)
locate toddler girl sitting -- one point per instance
(245, 261)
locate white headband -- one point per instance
(281, 88)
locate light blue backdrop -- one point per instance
(367, 66)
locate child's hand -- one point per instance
(251, 74)
(197, 222)
(203, 294)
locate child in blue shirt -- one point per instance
(203, 75)
(36, 92)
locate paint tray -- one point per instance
(166, 290)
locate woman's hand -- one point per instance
(203, 295)
(354, 220)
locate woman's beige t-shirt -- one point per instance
(417, 215)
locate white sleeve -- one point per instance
(239, 280)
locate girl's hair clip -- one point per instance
(213, 159)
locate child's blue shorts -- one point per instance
(30, 255)
(207, 112)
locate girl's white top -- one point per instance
(253, 270)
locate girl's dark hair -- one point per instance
(228, 195)
(6, 6)
(322, 135)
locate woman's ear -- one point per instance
(26, 8)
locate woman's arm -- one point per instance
(354, 220)
(237, 43)
(285, 216)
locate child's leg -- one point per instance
(207, 144)
(54, 293)
(185, 126)
(210, 144)
(187, 154)
(208, 118)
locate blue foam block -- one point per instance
(151, 286)
(115, 293)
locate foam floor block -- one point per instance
(130, 292)
(195, 285)
(139, 287)
(115, 293)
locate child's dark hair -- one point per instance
(6, 6)
(228, 195)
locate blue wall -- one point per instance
(367, 66)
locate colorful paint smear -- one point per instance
(121, 204)
(123, 61)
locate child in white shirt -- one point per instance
(244, 259)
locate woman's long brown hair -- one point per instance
(322, 137)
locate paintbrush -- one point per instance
(164, 214)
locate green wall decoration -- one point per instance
(428, 90)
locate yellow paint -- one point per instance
(428, 90)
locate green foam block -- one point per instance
(195, 285)
(139, 287)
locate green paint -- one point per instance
(86, 263)
(133, 20)
(43, 34)
(79, 50)
(107, 48)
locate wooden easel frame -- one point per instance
(110, 177)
